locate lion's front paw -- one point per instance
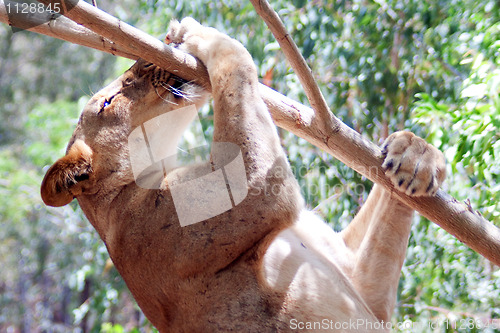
(191, 37)
(179, 32)
(414, 166)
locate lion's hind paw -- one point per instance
(414, 166)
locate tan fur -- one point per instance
(267, 264)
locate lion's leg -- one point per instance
(242, 119)
(378, 235)
(240, 114)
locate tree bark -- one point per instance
(334, 137)
(60, 27)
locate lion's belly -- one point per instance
(307, 267)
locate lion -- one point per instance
(265, 264)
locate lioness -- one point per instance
(266, 264)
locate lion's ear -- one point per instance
(68, 176)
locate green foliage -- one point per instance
(473, 143)
(468, 132)
(58, 121)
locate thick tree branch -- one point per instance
(135, 41)
(59, 27)
(340, 141)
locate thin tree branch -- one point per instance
(339, 141)
(59, 27)
(324, 116)
(318, 103)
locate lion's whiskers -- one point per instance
(188, 96)
(162, 98)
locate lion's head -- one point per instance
(98, 148)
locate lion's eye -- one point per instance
(106, 103)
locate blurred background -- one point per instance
(432, 67)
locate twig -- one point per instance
(342, 142)
(298, 63)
